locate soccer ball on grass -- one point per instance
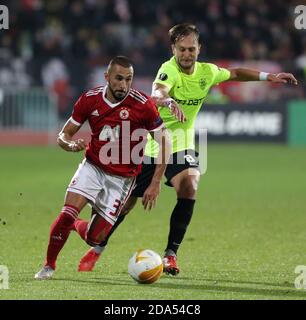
(145, 266)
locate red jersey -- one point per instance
(119, 130)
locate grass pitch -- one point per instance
(246, 237)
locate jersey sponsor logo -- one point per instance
(124, 113)
(163, 77)
(202, 83)
(95, 113)
(190, 102)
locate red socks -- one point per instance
(80, 227)
(59, 233)
(93, 233)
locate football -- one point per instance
(145, 266)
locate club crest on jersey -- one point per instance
(202, 83)
(124, 114)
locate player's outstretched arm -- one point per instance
(150, 195)
(160, 94)
(243, 74)
(65, 141)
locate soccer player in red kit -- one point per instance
(119, 118)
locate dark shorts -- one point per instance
(178, 162)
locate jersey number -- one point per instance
(117, 206)
(189, 158)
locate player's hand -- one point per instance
(150, 196)
(282, 78)
(78, 145)
(175, 109)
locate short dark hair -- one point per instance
(183, 30)
(121, 61)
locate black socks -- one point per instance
(180, 219)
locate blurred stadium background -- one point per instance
(248, 219)
(55, 50)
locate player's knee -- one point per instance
(188, 187)
(130, 204)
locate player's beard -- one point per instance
(187, 65)
(119, 95)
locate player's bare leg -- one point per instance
(59, 233)
(88, 261)
(185, 184)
